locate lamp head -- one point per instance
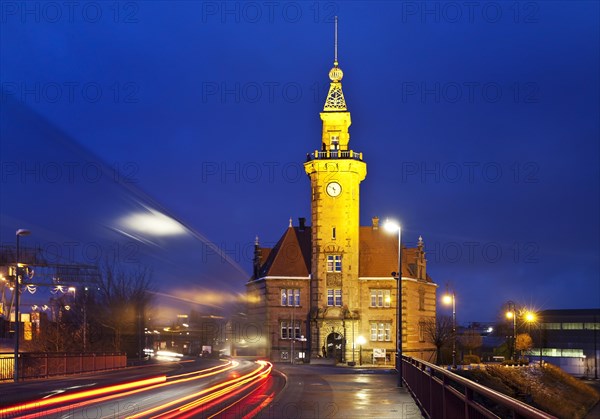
(391, 226)
(23, 232)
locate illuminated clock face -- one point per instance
(334, 189)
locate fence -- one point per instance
(44, 365)
(442, 394)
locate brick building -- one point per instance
(327, 290)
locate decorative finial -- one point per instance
(256, 240)
(290, 226)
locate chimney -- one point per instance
(301, 223)
(257, 258)
(375, 223)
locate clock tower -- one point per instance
(335, 173)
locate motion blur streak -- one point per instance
(235, 383)
(103, 390)
(196, 412)
(209, 394)
(254, 411)
(190, 410)
(260, 407)
(82, 395)
(206, 373)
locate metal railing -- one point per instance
(443, 394)
(334, 154)
(44, 365)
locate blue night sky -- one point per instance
(479, 126)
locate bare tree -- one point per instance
(438, 331)
(119, 304)
(471, 340)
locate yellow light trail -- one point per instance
(211, 393)
(143, 385)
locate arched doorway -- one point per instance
(335, 346)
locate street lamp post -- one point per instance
(531, 317)
(20, 232)
(512, 314)
(361, 341)
(393, 227)
(451, 299)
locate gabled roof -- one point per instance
(379, 255)
(290, 256)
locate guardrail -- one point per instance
(443, 394)
(334, 154)
(44, 365)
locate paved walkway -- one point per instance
(318, 391)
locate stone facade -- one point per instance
(327, 290)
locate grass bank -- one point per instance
(549, 389)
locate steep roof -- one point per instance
(379, 255)
(290, 256)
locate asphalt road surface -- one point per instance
(199, 388)
(319, 391)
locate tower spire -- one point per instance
(335, 60)
(335, 97)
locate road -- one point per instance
(196, 388)
(189, 388)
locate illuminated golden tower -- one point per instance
(335, 174)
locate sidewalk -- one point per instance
(317, 391)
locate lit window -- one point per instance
(284, 330)
(380, 298)
(290, 297)
(572, 326)
(334, 263)
(334, 298)
(421, 332)
(290, 330)
(381, 331)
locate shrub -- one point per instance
(471, 359)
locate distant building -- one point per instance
(323, 287)
(569, 339)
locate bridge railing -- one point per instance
(47, 364)
(443, 394)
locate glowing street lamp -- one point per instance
(19, 233)
(394, 227)
(361, 341)
(450, 299)
(530, 317)
(511, 314)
